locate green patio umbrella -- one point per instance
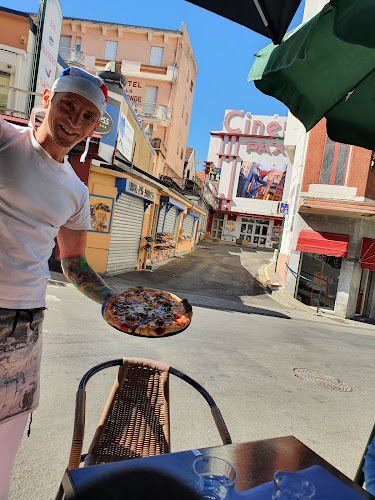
(326, 68)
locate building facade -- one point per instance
(247, 170)
(161, 71)
(17, 48)
(329, 233)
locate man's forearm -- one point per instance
(83, 277)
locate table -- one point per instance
(255, 462)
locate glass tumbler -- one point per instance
(215, 478)
(291, 486)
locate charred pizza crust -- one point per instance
(147, 312)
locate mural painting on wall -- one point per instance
(261, 181)
(101, 209)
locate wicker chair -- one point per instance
(135, 420)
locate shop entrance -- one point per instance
(323, 270)
(217, 226)
(255, 231)
(366, 293)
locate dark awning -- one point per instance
(323, 243)
(267, 17)
(367, 259)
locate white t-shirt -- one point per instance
(38, 195)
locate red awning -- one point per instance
(323, 243)
(367, 258)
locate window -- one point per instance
(110, 53)
(65, 45)
(183, 110)
(78, 43)
(182, 153)
(4, 80)
(186, 118)
(156, 56)
(191, 86)
(335, 162)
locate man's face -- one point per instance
(71, 118)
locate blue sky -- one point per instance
(223, 50)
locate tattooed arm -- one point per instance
(72, 245)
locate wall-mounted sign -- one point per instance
(106, 125)
(238, 122)
(193, 212)
(139, 190)
(133, 90)
(229, 228)
(50, 14)
(284, 208)
(214, 174)
(125, 138)
(108, 130)
(101, 209)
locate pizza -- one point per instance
(147, 312)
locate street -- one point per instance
(242, 346)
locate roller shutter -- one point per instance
(170, 225)
(126, 234)
(188, 224)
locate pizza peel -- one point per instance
(188, 309)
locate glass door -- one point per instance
(217, 228)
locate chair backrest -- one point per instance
(135, 421)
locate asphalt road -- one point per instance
(242, 346)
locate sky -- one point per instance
(224, 52)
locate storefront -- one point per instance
(321, 261)
(131, 203)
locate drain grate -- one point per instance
(321, 379)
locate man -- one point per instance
(40, 198)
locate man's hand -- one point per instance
(72, 245)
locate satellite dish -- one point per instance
(198, 162)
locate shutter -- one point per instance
(110, 51)
(149, 104)
(161, 220)
(170, 225)
(188, 224)
(126, 234)
(64, 48)
(156, 56)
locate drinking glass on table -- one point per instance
(291, 486)
(215, 478)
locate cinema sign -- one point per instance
(238, 122)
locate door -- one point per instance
(156, 56)
(4, 89)
(217, 227)
(126, 234)
(110, 53)
(255, 231)
(150, 100)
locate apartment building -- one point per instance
(161, 71)
(17, 47)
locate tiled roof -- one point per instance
(188, 152)
(200, 175)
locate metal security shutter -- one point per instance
(170, 225)
(126, 234)
(161, 220)
(188, 224)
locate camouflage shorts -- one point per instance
(20, 356)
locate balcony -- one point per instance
(153, 113)
(72, 56)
